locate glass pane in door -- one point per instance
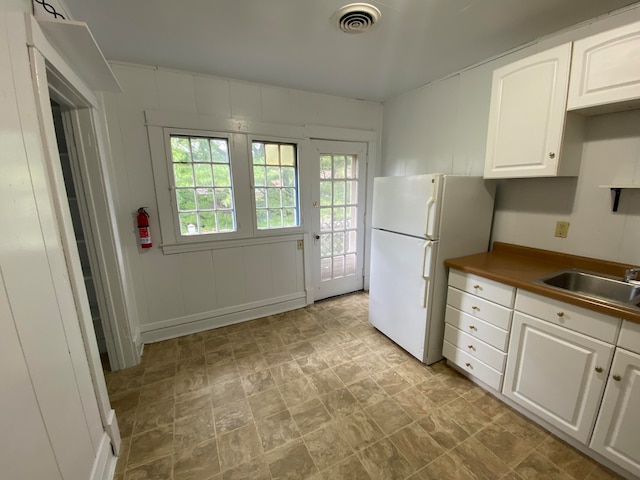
(338, 215)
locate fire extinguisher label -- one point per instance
(145, 238)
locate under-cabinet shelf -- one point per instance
(617, 189)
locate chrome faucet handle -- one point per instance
(631, 274)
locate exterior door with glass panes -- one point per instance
(338, 217)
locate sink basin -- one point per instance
(593, 285)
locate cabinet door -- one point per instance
(526, 119)
(605, 69)
(617, 432)
(557, 374)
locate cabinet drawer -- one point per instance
(597, 325)
(477, 307)
(630, 336)
(475, 348)
(472, 366)
(483, 287)
(477, 328)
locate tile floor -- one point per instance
(318, 394)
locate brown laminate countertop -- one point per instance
(519, 266)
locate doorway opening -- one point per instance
(73, 187)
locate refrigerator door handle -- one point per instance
(426, 269)
(430, 204)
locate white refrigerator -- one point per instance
(418, 222)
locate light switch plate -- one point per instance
(562, 229)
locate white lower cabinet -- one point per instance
(617, 432)
(557, 374)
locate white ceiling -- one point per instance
(291, 43)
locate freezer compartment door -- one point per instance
(400, 287)
(409, 205)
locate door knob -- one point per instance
(316, 236)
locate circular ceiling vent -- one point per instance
(356, 17)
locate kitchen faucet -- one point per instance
(631, 274)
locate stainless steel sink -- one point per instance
(592, 285)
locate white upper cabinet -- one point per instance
(527, 119)
(605, 72)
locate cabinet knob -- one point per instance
(599, 369)
(476, 286)
(617, 378)
(468, 364)
(470, 347)
(472, 327)
(552, 155)
(475, 308)
(561, 314)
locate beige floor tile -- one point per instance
(538, 467)
(383, 461)
(150, 446)
(391, 381)
(416, 445)
(359, 430)
(326, 381)
(414, 403)
(388, 415)
(443, 468)
(510, 449)
(251, 364)
(567, 458)
(154, 415)
(193, 402)
(157, 373)
(340, 403)
(488, 405)
(348, 469)
(223, 372)
(277, 430)
(437, 392)
(191, 361)
(300, 349)
(197, 463)
(232, 416)
(258, 382)
(123, 456)
(602, 473)
(312, 363)
(367, 392)
(256, 469)
(194, 430)
(299, 391)
(350, 372)
(443, 429)
(125, 401)
(125, 422)
(239, 446)
(227, 392)
(520, 427)
(310, 415)
(159, 391)
(326, 446)
(291, 462)
(246, 349)
(468, 417)
(335, 355)
(266, 403)
(479, 460)
(159, 469)
(286, 372)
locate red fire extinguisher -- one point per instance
(144, 235)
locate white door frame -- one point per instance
(321, 132)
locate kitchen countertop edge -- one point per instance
(519, 266)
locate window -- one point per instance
(202, 183)
(276, 185)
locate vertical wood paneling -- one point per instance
(276, 105)
(198, 285)
(176, 91)
(259, 282)
(230, 277)
(212, 96)
(28, 454)
(245, 101)
(284, 268)
(163, 285)
(25, 266)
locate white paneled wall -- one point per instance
(187, 292)
(442, 127)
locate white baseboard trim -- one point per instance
(178, 327)
(104, 465)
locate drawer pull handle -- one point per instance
(470, 347)
(476, 286)
(617, 378)
(561, 314)
(468, 364)
(599, 369)
(475, 308)
(472, 327)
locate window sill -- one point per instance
(173, 248)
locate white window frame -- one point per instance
(300, 182)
